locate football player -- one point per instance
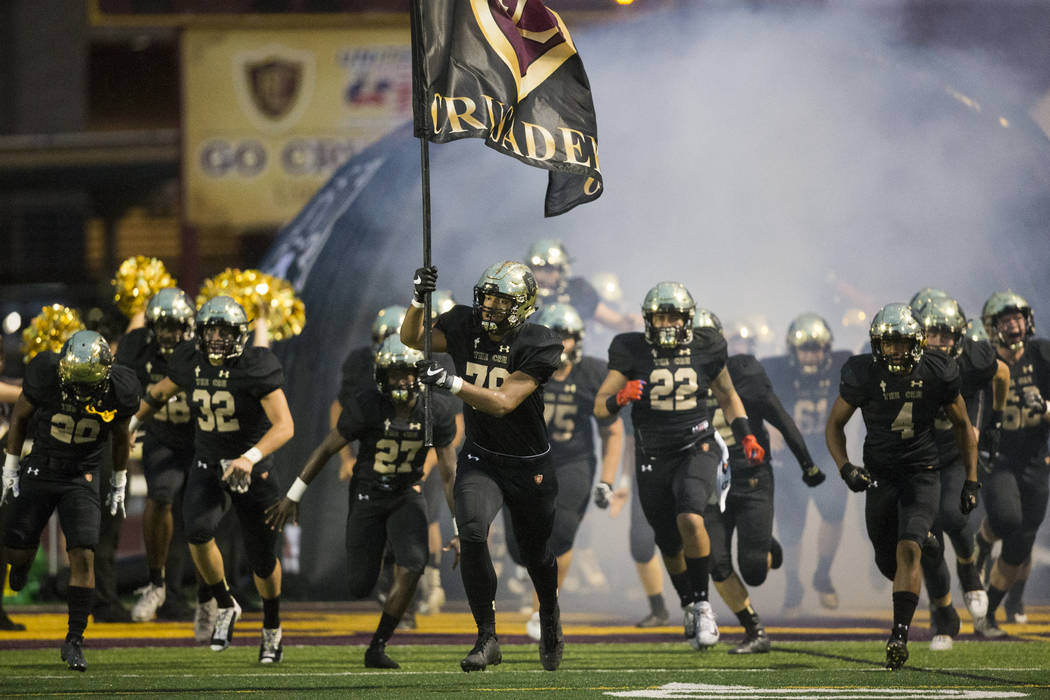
(806, 380)
(901, 388)
(241, 418)
(664, 375)
(749, 506)
(945, 325)
(76, 399)
(167, 447)
(1017, 478)
(502, 363)
(551, 266)
(568, 401)
(387, 506)
(9, 393)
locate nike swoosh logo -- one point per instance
(417, 280)
(434, 371)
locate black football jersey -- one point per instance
(977, 364)
(578, 293)
(391, 449)
(568, 407)
(530, 348)
(71, 436)
(226, 401)
(672, 413)
(1025, 431)
(807, 397)
(761, 406)
(899, 410)
(171, 425)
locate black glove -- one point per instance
(988, 442)
(857, 478)
(969, 496)
(812, 476)
(424, 282)
(433, 374)
(603, 494)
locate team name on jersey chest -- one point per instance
(896, 391)
(502, 357)
(402, 430)
(221, 381)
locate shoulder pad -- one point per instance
(259, 362)
(744, 364)
(126, 387)
(858, 369)
(1041, 347)
(41, 374)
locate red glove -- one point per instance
(752, 450)
(631, 392)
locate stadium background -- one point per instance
(775, 156)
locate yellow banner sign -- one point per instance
(268, 115)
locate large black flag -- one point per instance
(507, 71)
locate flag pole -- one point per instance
(419, 95)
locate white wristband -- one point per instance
(133, 425)
(417, 304)
(10, 462)
(455, 527)
(253, 455)
(296, 490)
(457, 384)
(119, 480)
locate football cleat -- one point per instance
(896, 653)
(222, 634)
(532, 627)
(435, 593)
(151, 597)
(204, 620)
(987, 628)
(375, 657)
(1015, 614)
(758, 644)
(941, 642)
(706, 626)
(689, 622)
(976, 604)
(829, 600)
(485, 653)
(654, 620)
(270, 649)
(73, 653)
(9, 625)
(408, 621)
(552, 641)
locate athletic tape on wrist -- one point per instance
(253, 455)
(296, 490)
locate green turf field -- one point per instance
(795, 670)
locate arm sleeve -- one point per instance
(780, 419)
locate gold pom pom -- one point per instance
(49, 330)
(137, 280)
(258, 292)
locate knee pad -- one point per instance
(199, 535)
(887, 564)
(1018, 548)
(720, 570)
(263, 569)
(754, 569)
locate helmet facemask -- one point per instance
(678, 332)
(221, 341)
(1013, 335)
(902, 362)
(169, 332)
(810, 358)
(398, 381)
(504, 297)
(395, 369)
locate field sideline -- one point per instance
(832, 657)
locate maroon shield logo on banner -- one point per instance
(531, 29)
(275, 84)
